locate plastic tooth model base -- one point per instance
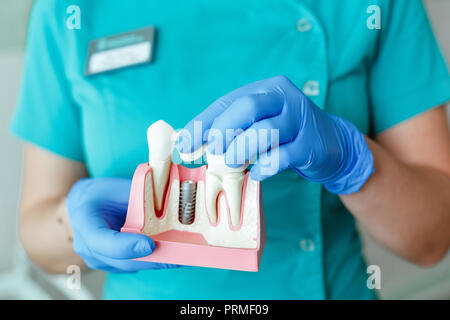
(210, 216)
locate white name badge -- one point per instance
(120, 51)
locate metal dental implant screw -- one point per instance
(186, 208)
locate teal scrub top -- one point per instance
(375, 78)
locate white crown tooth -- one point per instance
(190, 156)
(230, 180)
(160, 149)
(217, 164)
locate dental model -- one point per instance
(209, 216)
(160, 145)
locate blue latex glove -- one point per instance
(97, 209)
(319, 146)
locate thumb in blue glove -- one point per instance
(97, 209)
(318, 146)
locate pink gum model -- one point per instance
(191, 248)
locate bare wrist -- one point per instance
(62, 217)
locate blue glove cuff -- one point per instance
(357, 167)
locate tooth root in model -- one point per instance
(160, 148)
(212, 189)
(221, 177)
(232, 185)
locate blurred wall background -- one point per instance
(400, 279)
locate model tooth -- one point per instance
(213, 186)
(232, 185)
(230, 180)
(160, 149)
(216, 163)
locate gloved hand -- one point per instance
(319, 146)
(97, 209)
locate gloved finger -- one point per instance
(89, 223)
(118, 265)
(114, 244)
(192, 136)
(121, 191)
(240, 115)
(93, 263)
(259, 138)
(271, 163)
(96, 261)
(114, 215)
(104, 189)
(112, 189)
(110, 265)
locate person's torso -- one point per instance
(204, 49)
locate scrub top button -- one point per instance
(311, 88)
(303, 25)
(306, 245)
